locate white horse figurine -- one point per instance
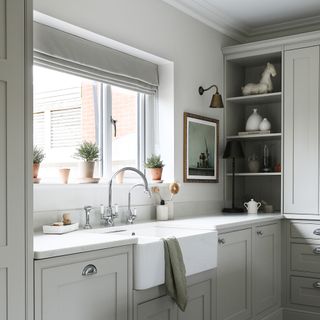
(265, 84)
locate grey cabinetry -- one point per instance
(93, 286)
(266, 267)
(163, 308)
(199, 302)
(301, 131)
(234, 276)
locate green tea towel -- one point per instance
(175, 272)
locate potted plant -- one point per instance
(155, 166)
(89, 153)
(38, 156)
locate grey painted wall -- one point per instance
(155, 27)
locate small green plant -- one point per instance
(87, 151)
(154, 162)
(38, 155)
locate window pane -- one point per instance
(125, 144)
(65, 114)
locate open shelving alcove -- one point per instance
(240, 70)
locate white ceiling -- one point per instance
(245, 19)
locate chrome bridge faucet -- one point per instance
(112, 211)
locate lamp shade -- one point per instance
(216, 101)
(233, 150)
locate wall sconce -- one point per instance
(216, 101)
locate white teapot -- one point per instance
(252, 206)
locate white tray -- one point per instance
(60, 229)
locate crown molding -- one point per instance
(208, 14)
(294, 26)
(204, 12)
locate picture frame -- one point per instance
(200, 149)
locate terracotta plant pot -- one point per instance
(36, 170)
(155, 173)
(64, 175)
(86, 169)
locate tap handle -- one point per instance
(87, 209)
(115, 210)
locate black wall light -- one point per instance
(216, 101)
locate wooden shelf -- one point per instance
(257, 98)
(259, 174)
(269, 136)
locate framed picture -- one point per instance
(200, 154)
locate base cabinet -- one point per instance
(249, 273)
(164, 308)
(266, 269)
(234, 276)
(93, 286)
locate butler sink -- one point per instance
(199, 250)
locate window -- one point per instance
(69, 109)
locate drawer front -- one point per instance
(305, 257)
(305, 291)
(305, 230)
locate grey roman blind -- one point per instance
(64, 51)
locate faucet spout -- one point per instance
(145, 184)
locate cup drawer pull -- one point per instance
(89, 270)
(221, 241)
(317, 285)
(316, 250)
(316, 232)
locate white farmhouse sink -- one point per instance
(199, 250)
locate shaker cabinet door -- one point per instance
(234, 275)
(95, 289)
(266, 267)
(162, 308)
(301, 131)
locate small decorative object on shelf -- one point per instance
(38, 156)
(253, 164)
(266, 159)
(265, 125)
(265, 84)
(253, 121)
(89, 153)
(248, 133)
(155, 166)
(252, 206)
(277, 167)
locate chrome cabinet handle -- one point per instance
(260, 233)
(317, 285)
(221, 241)
(89, 270)
(316, 232)
(316, 250)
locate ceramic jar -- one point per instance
(252, 206)
(265, 125)
(253, 164)
(253, 121)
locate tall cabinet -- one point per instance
(301, 127)
(240, 69)
(13, 163)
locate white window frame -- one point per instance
(145, 131)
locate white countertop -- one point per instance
(47, 246)
(50, 245)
